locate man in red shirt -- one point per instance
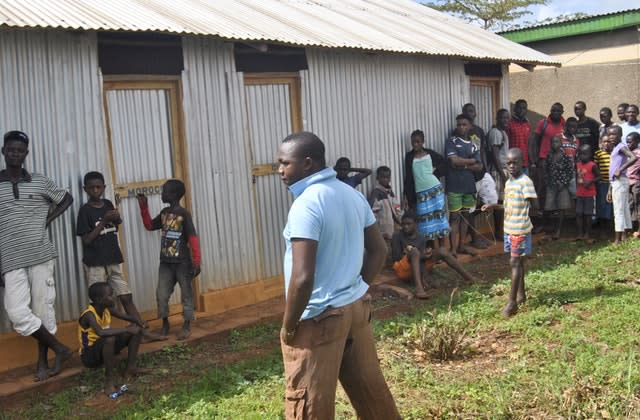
(546, 129)
(519, 130)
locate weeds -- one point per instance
(445, 337)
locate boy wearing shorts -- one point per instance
(519, 196)
(97, 225)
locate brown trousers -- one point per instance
(337, 344)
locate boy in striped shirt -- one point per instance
(519, 196)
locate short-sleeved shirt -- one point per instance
(558, 173)
(617, 160)
(570, 147)
(104, 249)
(399, 243)
(584, 171)
(628, 129)
(477, 135)
(517, 193)
(518, 132)
(177, 227)
(334, 215)
(24, 206)
(460, 180)
(633, 171)
(551, 130)
(602, 158)
(382, 202)
(500, 139)
(353, 180)
(588, 132)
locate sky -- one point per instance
(590, 7)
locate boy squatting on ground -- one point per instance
(411, 256)
(99, 343)
(26, 254)
(519, 194)
(179, 253)
(97, 225)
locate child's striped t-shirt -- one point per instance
(603, 160)
(517, 193)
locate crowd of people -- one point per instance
(576, 166)
(515, 172)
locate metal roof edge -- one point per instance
(583, 26)
(505, 60)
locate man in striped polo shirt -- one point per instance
(519, 194)
(26, 254)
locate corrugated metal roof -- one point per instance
(400, 26)
(585, 25)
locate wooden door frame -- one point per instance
(295, 108)
(494, 83)
(295, 104)
(173, 85)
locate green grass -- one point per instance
(573, 351)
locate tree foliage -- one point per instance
(490, 14)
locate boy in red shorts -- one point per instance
(519, 195)
(411, 255)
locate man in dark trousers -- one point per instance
(325, 333)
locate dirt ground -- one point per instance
(186, 362)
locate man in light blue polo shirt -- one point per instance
(325, 333)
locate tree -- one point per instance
(491, 14)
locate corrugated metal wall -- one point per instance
(141, 140)
(362, 105)
(270, 120)
(219, 163)
(50, 88)
(365, 106)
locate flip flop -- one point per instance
(120, 392)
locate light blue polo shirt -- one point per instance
(335, 215)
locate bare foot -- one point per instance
(42, 374)
(164, 330)
(421, 295)
(510, 309)
(61, 357)
(149, 337)
(183, 334)
(467, 250)
(480, 244)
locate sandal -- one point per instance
(120, 392)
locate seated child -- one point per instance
(99, 343)
(588, 175)
(410, 255)
(382, 202)
(559, 175)
(343, 169)
(179, 253)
